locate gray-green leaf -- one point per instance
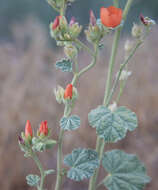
(65, 65)
(32, 180)
(126, 172)
(112, 126)
(70, 123)
(83, 163)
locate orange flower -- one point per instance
(111, 16)
(56, 22)
(28, 129)
(68, 91)
(43, 128)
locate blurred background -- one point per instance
(28, 77)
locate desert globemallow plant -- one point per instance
(111, 122)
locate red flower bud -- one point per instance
(68, 91)
(111, 16)
(145, 22)
(28, 129)
(43, 128)
(56, 22)
(72, 21)
(92, 18)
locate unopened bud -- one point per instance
(28, 130)
(75, 30)
(59, 94)
(147, 21)
(72, 21)
(56, 22)
(92, 18)
(125, 74)
(43, 130)
(113, 106)
(128, 45)
(70, 51)
(68, 92)
(143, 20)
(136, 30)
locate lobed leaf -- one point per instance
(126, 172)
(65, 65)
(32, 180)
(70, 123)
(83, 163)
(112, 126)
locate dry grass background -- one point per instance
(27, 80)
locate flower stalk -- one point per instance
(40, 167)
(100, 144)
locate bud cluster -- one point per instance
(68, 95)
(28, 142)
(63, 31)
(138, 31)
(94, 33)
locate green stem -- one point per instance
(52, 4)
(122, 86)
(100, 144)
(120, 71)
(77, 41)
(100, 149)
(116, 3)
(93, 62)
(63, 8)
(59, 161)
(67, 111)
(111, 64)
(127, 8)
(61, 134)
(39, 165)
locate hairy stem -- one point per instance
(40, 167)
(116, 3)
(77, 41)
(111, 64)
(120, 71)
(67, 111)
(122, 86)
(93, 62)
(59, 161)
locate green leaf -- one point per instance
(126, 172)
(112, 126)
(32, 180)
(48, 172)
(70, 123)
(83, 163)
(65, 65)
